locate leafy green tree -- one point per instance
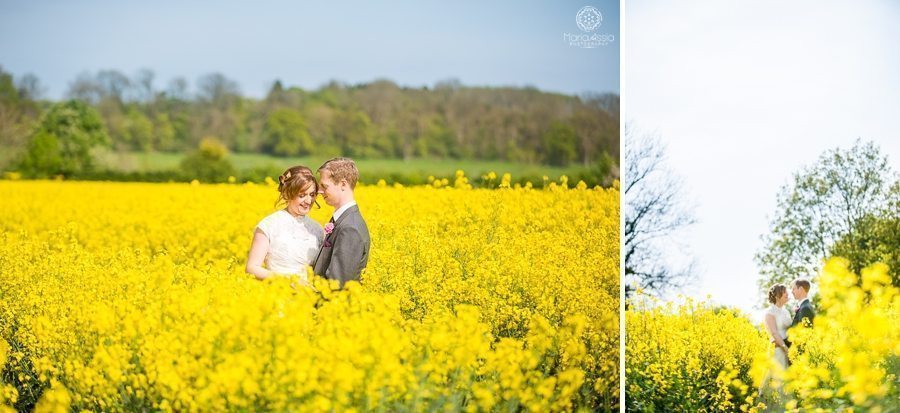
(62, 143)
(285, 134)
(8, 92)
(603, 171)
(559, 144)
(353, 131)
(277, 95)
(596, 123)
(139, 130)
(43, 156)
(220, 110)
(20, 95)
(14, 127)
(438, 139)
(18, 113)
(319, 120)
(115, 120)
(827, 208)
(209, 163)
(877, 240)
(181, 123)
(383, 145)
(163, 133)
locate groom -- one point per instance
(345, 252)
(804, 310)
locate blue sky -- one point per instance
(746, 93)
(309, 43)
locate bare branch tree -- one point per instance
(654, 210)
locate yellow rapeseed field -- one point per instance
(694, 357)
(850, 359)
(689, 357)
(132, 296)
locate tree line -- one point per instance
(379, 119)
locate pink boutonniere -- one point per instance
(329, 227)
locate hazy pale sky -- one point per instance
(307, 44)
(745, 93)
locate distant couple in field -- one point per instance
(288, 240)
(778, 320)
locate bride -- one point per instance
(288, 239)
(778, 319)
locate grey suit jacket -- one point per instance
(345, 252)
(806, 310)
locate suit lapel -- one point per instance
(354, 209)
(322, 247)
(350, 210)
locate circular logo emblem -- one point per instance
(588, 18)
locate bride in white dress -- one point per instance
(288, 239)
(777, 322)
(778, 319)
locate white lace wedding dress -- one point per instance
(782, 322)
(293, 242)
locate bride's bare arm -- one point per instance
(258, 250)
(773, 331)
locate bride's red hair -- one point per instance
(294, 180)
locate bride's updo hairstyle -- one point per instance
(775, 291)
(294, 180)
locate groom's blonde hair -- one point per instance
(341, 168)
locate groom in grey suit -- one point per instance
(345, 252)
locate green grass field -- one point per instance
(145, 162)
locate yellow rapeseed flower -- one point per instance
(134, 297)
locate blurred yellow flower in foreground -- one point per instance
(696, 357)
